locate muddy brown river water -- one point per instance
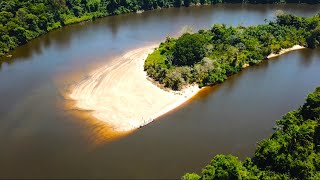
(41, 138)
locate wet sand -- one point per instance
(121, 95)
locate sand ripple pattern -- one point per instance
(121, 95)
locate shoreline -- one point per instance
(283, 51)
(121, 95)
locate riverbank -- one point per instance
(121, 95)
(283, 51)
(66, 17)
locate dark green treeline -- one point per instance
(24, 20)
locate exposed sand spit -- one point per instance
(120, 94)
(283, 51)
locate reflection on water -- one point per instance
(41, 138)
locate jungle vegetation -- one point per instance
(24, 20)
(209, 56)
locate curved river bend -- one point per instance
(41, 138)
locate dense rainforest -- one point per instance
(24, 20)
(292, 152)
(209, 56)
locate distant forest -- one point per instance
(24, 20)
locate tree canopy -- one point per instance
(209, 56)
(189, 49)
(24, 20)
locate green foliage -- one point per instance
(224, 167)
(210, 56)
(24, 20)
(191, 176)
(311, 109)
(177, 3)
(292, 152)
(188, 49)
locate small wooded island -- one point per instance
(209, 56)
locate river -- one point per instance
(40, 137)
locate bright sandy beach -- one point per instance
(121, 95)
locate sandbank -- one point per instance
(121, 95)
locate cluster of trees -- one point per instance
(209, 56)
(292, 152)
(23, 20)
